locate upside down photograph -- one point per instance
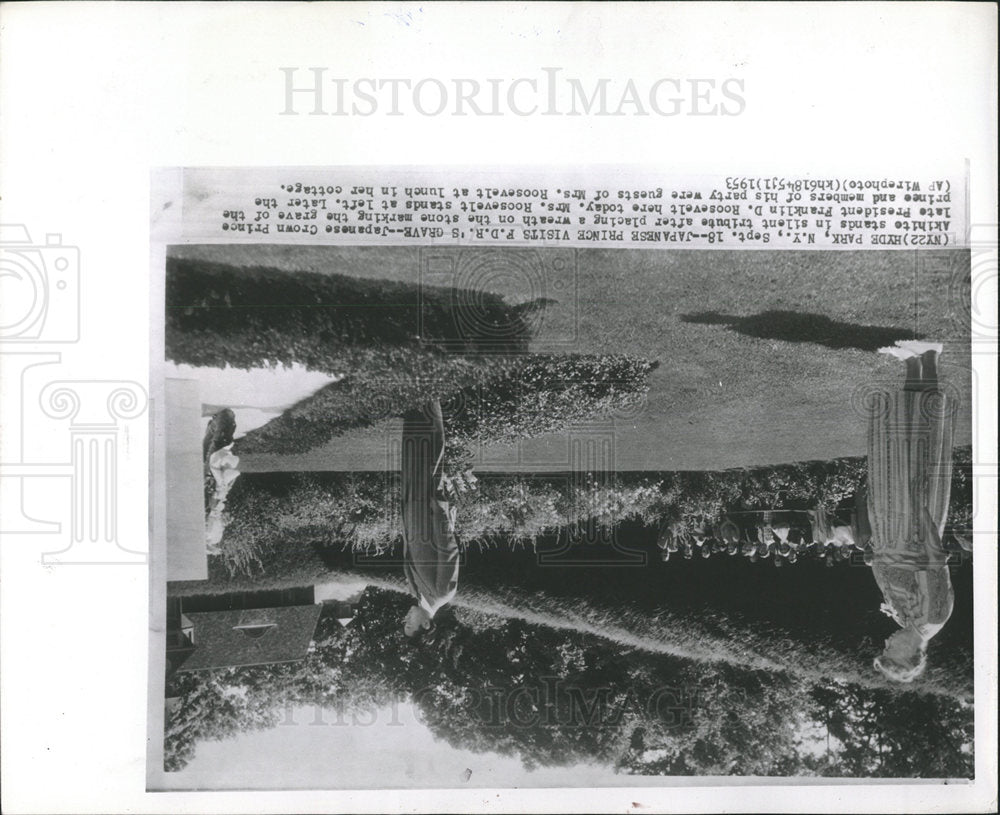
(507, 517)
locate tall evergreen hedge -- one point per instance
(507, 399)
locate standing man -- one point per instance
(430, 549)
(909, 489)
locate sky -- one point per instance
(395, 749)
(256, 396)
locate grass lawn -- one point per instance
(730, 391)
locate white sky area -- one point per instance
(256, 396)
(388, 749)
(396, 750)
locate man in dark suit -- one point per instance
(430, 548)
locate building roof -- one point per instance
(224, 639)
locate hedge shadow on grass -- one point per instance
(218, 314)
(794, 326)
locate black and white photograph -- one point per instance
(565, 517)
(498, 407)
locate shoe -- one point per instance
(918, 347)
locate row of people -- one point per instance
(760, 543)
(821, 537)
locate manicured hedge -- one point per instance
(389, 386)
(543, 394)
(275, 518)
(486, 400)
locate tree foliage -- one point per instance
(557, 698)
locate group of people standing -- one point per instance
(896, 526)
(782, 536)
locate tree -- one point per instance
(555, 697)
(893, 734)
